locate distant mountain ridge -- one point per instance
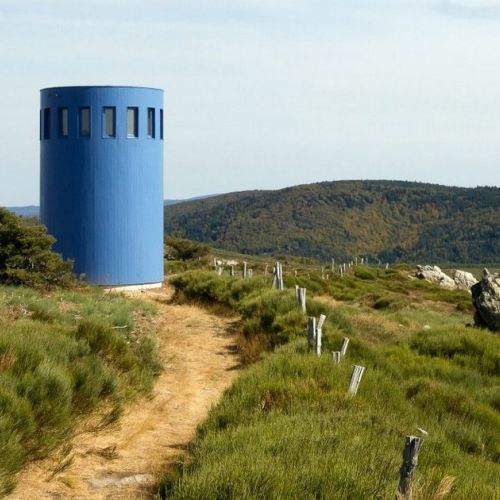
(33, 210)
(387, 220)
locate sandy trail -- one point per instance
(124, 461)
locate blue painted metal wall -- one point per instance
(102, 197)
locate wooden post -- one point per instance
(387, 266)
(302, 299)
(357, 373)
(333, 265)
(336, 357)
(343, 348)
(297, 294)
(295, 272)
(231, 271)
(250, 273)
(215, 263)
(410, 460)
(319, 333)
(244, 269)
(311, 332)
(321, 321)
(356, 261)
(265, 269)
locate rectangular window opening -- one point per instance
(46, 123)
(161, 124)
(109, 122)
(84, 122)
(63, 122)
(132, 122)
(151, 123)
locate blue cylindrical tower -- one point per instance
(101, 180)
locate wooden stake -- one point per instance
(319, 333)
(343, 348)
(302, 299)
(357, 373)
(244, 269)
(311, 332)
(410, 460)
(336, 357)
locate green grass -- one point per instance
(287, 429)
(61, 357)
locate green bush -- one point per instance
(183, 249)
(26, 257)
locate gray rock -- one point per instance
(486, 300)
(435, 275)
(464, 280)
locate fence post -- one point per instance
(319, 333)
(302, 299)
(250, 273)
(336, 357)
(343, 348)
(333, 265)
(357, 373)
(244, 269)
(410, 460)
(311, 332)
(231, 271)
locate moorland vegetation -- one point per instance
(288, 429)
(65, 350)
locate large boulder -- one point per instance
(486, 300)
(435, 275)
(464, 280)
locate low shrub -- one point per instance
(59, 357)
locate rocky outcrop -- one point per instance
(435, 275)
(486, 300)
(461, 279)
(464, 280)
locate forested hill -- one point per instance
(386, 220)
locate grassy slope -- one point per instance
(287, 429)
(390, 220)
(60, 358)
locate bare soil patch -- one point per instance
(124, 461)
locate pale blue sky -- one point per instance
(269, 93)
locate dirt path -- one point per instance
(123, 462)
